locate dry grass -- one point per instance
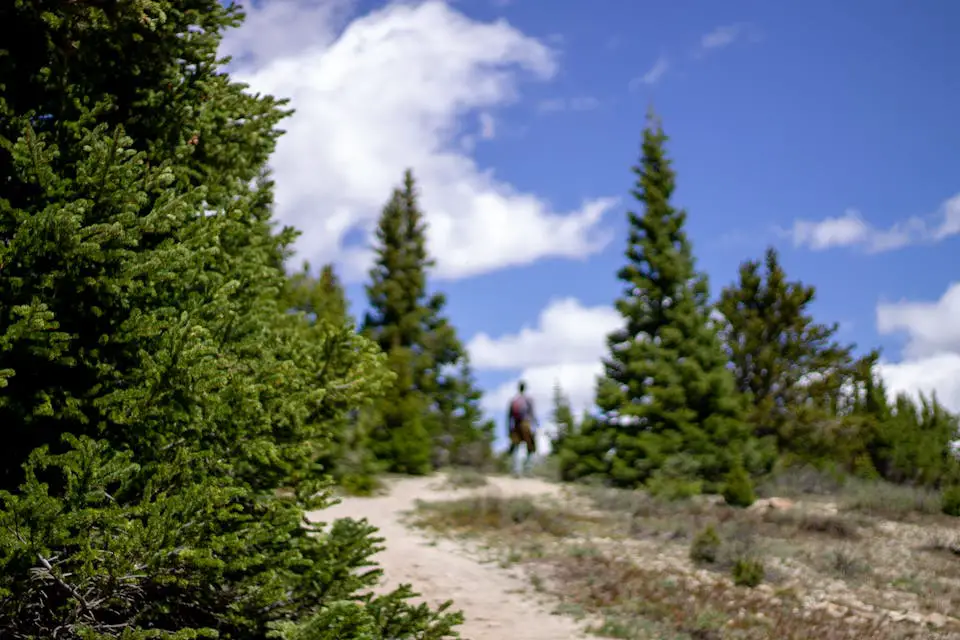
(466, 478)
(625, 591)
(494, 513)
(624, 557)
(890, 501)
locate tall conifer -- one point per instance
(155, 393)
(669, 410)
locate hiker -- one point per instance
(520, 421)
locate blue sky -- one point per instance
(824, 129)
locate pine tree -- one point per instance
(666, 399)
(396, 321)
(781, 357)
(906, 441)
(155, 392)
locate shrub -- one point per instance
(747, 572)
(669, 488)
(738, 488)
(950, 501)
(705, 548)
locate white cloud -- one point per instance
(390, 91)
(938, 374)
(566, 346)
(932, 327)
(654, 74)
(721, 37)
(851, 230)
(566, 332)
(931, 360)
(725, 36)
(581, 103)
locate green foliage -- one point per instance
(563, 419)
(321, 307)
(461, 433)
(676, 479)
(782, 359)
(584, 454)
(951, 501)
(666, 390)
(320, 299)
(157, 395)
(910, 441)
(432, 415)
(705, 547)
(738, 488)
(350, 460)
(747, 572)
(799, 381)
(396, 321)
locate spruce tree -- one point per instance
(321, 298)
(344, 452)
(463, 434)
(155, 392)
(781, 357)
(666, 398)
(460, 433)
(563, 420)
(432, 415)
(396, 321)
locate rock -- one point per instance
(936, 620)
(771, 504)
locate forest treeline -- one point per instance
(174, 400)
(699, 396)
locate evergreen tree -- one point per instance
(562, 416)
(345, 454)
(462, 434)
(907, 441)
(154, 390)
(459, 431)
(321, 298)
(666, 398)
(396, 321)
(585, 454)
(781, 357)
(433, 415)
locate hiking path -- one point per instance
(497, 602)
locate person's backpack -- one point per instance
(519, 408)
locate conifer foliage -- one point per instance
(670, 414)
(396, 322)
(562, 415)
(154, 391)
(431, 414)
(781, 357)
(321, 299)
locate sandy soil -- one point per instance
(497, 603)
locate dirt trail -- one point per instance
(497, 603)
